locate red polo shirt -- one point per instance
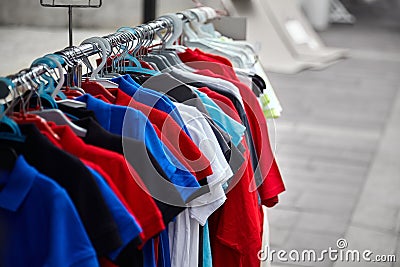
(200, 60)
(235, 228)
(272, 184)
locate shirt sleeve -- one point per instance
(127, 225)
(69, 244)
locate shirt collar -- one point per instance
(69, 140)
(121, 98)
(18, 184)
(129, 79)
(125, 85)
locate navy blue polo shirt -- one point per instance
(128, 227)
(39, 225)
(128, 122)
(150, 98)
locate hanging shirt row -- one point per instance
(160, 158)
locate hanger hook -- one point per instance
(99, 42)
(61, 79)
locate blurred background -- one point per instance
(337, 139)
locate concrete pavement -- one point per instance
(338, 147)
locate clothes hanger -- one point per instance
(11, 131)
(72, 62)
(177, 25)
(105, 48)
(22, 117)
(197, 24)
(128, 34)
(110, 74)
(121, 42)
(168, 53)
(9, 128)
(145, 39)
(148, 34)
(206, 14)
(191, 39)
(171, 49)
(58, 60)
(93, 87)
(54, 114)
(168, 48)
(49, 64)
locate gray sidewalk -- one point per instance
(338, 147)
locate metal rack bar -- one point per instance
(86, 50)
(75, 54)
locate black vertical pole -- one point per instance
(70, 75)
(70, 25)
(149, 10)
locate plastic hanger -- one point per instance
(177, 26)
(8, 155)
(50, 63)
(111, 54)
(94, 87)
(22, 117)
(59, 118)
(196, 25)
(10, 129)
(191, 39)
(55, 61)
(105, 49)
(166, 57)
(169, 53)
(137, 68)
(155, 59)
(54, 114)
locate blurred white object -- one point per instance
(273, 53)
(298, 34)
(317, 12)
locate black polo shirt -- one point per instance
(142, 161)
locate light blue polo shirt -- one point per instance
(229, 125)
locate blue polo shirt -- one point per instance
(128, 122)
(128, 228)
(164, 254)
(39, 225)
(150, 98)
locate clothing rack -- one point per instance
(77, 53)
